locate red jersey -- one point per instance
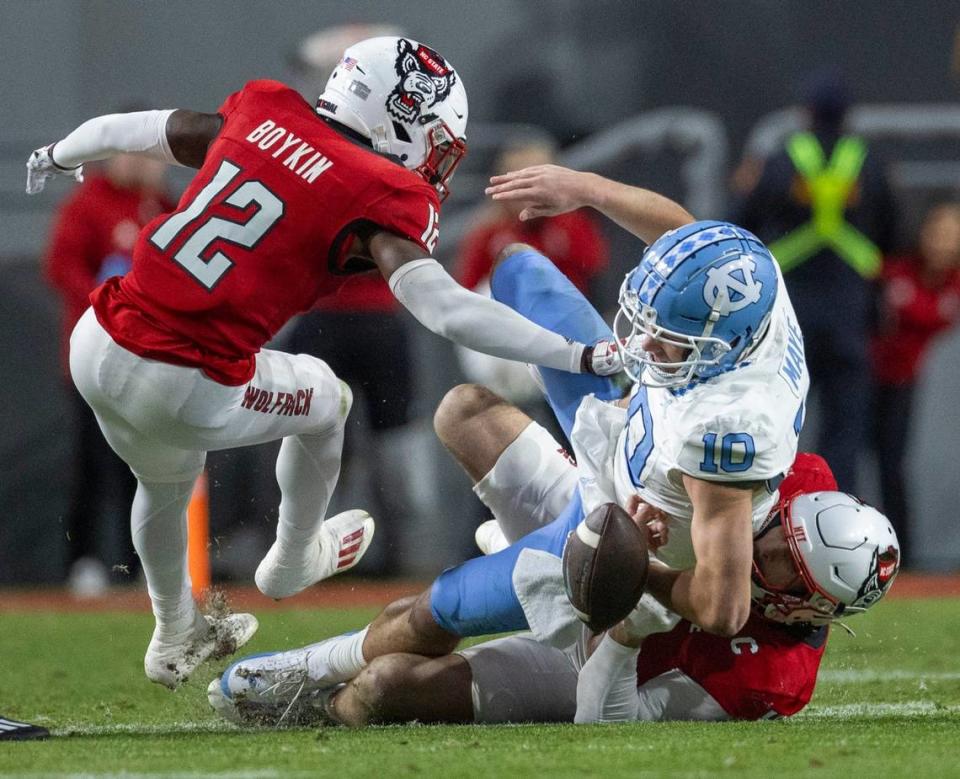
(767, 669)
(93, 238)
(572, 241)
(263, 230)
(914, 314)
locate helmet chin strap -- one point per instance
(378, 137)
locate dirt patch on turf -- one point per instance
(345, 593)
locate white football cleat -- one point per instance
(490, 537)
(271, 689)
(170, 662)
(344, 539)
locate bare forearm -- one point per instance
(660, 584)
(640, 211)
(548, 190)
(700, 599)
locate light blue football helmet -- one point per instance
(707, 287)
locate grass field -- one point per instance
(888, 704)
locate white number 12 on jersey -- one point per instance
(209, 272)
(432, 233)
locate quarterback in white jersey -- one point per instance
(742, 426)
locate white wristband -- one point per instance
(140, 132)
(445, 307)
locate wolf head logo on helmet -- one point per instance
(883, 567)
(845, 551)
(406, 99)
(425, 79)
(707, 288)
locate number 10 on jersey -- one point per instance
(736, 454)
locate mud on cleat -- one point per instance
(170, 662)
(271, 689)
(344, 539)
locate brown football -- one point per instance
(605, 564)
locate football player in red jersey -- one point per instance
(652, 666)
(288, 201)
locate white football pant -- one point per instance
(162, 419)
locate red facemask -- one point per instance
(446, 152)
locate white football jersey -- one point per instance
(740, 426)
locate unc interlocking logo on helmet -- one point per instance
(731, 286)
(425, 80)
(707, 287)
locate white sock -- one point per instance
(338, 659)
(308, 467)
(530, 459)
(158, 522)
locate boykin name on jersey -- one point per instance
(301, 157)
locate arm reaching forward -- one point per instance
(548, 190)
(441, 305)
(174, 136)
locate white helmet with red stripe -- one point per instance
(846, 552)
(407, 99)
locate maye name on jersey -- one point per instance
(739, 426)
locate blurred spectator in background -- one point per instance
(94, 232)
(824, 207)
(361, 318)
(572, 241)
(920, 298)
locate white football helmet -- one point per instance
(846, 552)
(407, 99)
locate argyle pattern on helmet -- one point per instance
(660, 266)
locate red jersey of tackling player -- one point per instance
(768, 669)
(263, 230)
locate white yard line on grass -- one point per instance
(855, 676)
(270, 774)
(162, 729)
(916, 709)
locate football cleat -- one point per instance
(171, 662)
(15, 730)
(344, 539)
(490, 537)
(273, 688)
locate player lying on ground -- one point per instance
(697, 271)
(710, 428)
(767, 670)
(288, 201)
